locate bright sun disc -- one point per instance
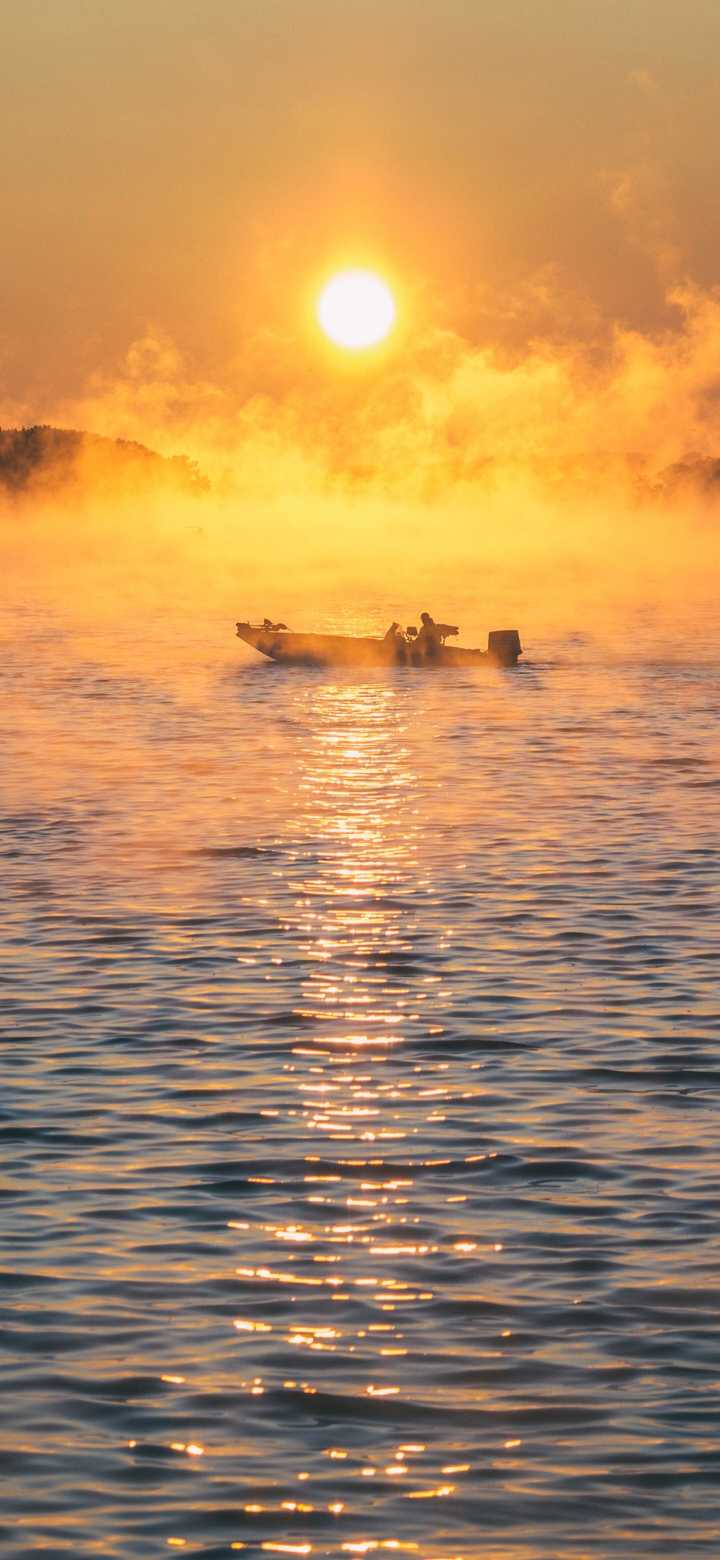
(356, 309)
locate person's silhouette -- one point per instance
(428, 639)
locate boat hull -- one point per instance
(341, 650)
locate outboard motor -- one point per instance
(504, 646)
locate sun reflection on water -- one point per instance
(363, 1111)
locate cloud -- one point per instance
(149, 393)
(640, 196)
(644, 81)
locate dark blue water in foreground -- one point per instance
(360, 1104)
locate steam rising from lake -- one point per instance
(544, 480)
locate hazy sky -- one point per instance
(195, 167)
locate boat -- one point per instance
(280, 643)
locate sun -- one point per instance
(356, 309)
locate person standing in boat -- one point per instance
(428, 640)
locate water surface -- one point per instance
(359, 1113)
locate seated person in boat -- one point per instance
(396, 641)
(393, 635)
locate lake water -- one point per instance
(360, 1101)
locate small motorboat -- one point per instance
(279, 643)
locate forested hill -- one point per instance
(48, 462)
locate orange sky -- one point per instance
(193, 167)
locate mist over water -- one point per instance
(360, 1117)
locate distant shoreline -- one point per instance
(48, 462)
